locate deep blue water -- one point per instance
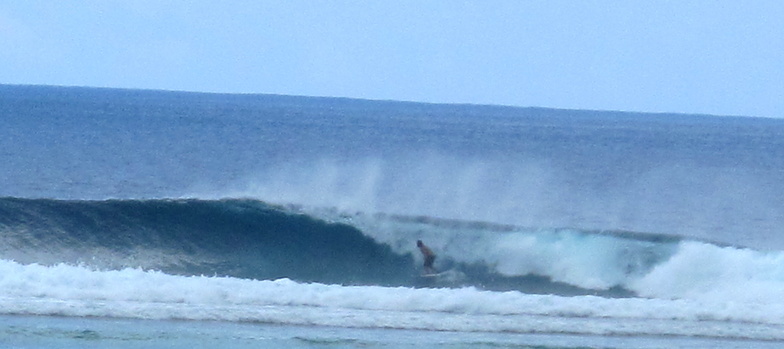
(716, 178)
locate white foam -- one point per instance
(709, 272)
(583, 259)
(78, 291)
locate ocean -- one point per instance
(143, 219)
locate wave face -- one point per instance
(255, 240)
(239, 238)
(251, 239)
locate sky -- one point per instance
(698, 56)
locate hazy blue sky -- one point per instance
(715, 57)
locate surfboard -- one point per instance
(435, 275)
(427, 280)
(450, 275)
(447, 278)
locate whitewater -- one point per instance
(148, 219)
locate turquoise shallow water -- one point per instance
(68, 332)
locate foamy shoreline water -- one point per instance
(80, 292)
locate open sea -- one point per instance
(155, 219)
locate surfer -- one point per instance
(430, 257)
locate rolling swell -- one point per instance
(238, 238)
